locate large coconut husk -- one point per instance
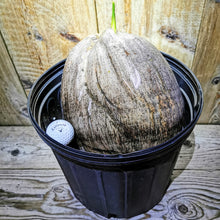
(120, 94)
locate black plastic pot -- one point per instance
(115, 185)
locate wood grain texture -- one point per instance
(21, 148)
(37, 188)
(38, 34)
(172, 26)
(13, 107)
(206, 64)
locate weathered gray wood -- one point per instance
(13, 100)
(206, 63)
(46, 194)
(39, 34)
(21, 148)
(37, 189)
(172, 26)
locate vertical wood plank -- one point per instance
(206, 63)
(172, 26)
(38, 34)
(13, 110)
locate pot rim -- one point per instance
(169, 145)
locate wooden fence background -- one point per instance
(36, 34)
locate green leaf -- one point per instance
(113, 24)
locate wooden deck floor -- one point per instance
(32, 185)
